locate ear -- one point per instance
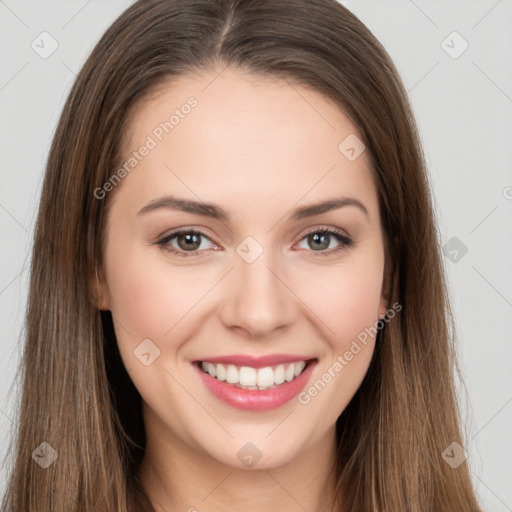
(387, 287)
(99, 289)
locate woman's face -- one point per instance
(253, 287)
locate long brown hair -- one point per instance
(76, 394)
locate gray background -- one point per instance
(463, 104)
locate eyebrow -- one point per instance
(216, 212)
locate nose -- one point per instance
(257, 299)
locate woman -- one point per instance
(237, 298)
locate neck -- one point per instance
(179, 477)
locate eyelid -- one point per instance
(323, 228)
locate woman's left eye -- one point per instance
(322, 238)
(191, 241)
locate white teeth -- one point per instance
(298, 368)
(265, 376)
(254, 378)
(221, 372)
(247, 376)
(232, 375)
(279, 374)
(212, 370)
(289, 373)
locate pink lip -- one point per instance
(255, 400)
(257, 361)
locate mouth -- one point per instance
(247, 377)
(254, 383)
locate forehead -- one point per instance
(256, 138)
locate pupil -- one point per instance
(315, 239)
(189, 239)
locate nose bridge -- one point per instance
(257, 299)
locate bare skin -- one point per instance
(259, 149)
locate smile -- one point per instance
(247, 377)
(255, 384)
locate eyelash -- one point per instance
(345, 242)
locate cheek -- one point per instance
(348, 305)
(345, 299)
(147, 299)
(147, 296)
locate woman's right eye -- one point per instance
(186, 241)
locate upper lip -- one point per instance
(256, 361)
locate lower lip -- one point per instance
(255, 400)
